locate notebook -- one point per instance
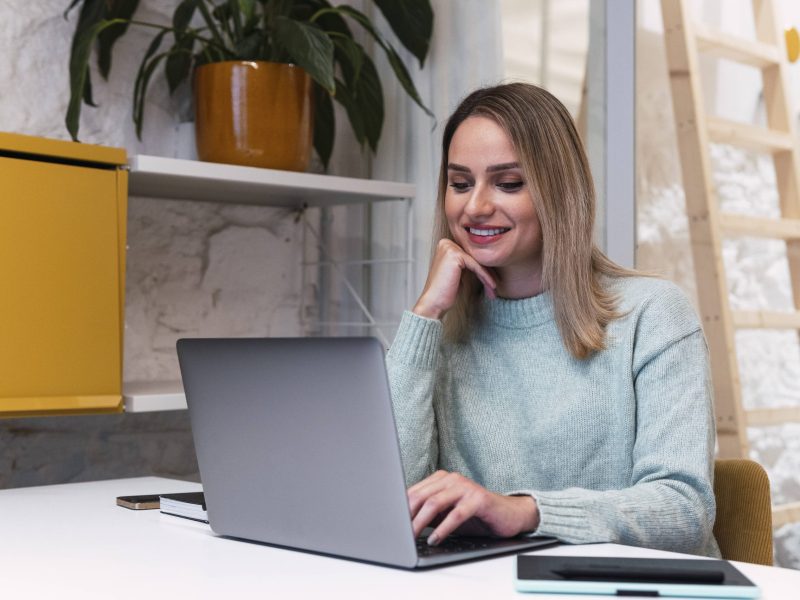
(664, 577)
(297, 447)
(189, 505)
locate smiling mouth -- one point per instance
(487, 232)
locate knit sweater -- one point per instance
(618, 447)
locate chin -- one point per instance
(486, 259)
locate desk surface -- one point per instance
(71, 540)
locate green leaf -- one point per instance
(222, 14)
(179, 62)
(404, 78)
(323, 14)
(324, 125)
(279, 8)
(90, 15)
(367, 99)
(142, 79)
(92, 12)
(309, 48)
(350, 55)
(397, 65)
(344, 96)
(70, 7)
(87, 93)
(412, 23)
(360, 18)
(248, 9)
(251, 15)
(248, 48)
(138, 102)
(115, 9)
(79, 72)
(183, 16)
(364, 105)
(233, 6)
(155, 44)
(210, 23)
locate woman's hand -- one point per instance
(469, 508)
(444, 278)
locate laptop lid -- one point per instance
(297, 446)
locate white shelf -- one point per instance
(179, 179)
(148, 396)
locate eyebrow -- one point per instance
(490, 169)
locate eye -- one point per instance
(459, 186)
(511, 186)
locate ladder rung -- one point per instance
(742, 50)
(761, 139)
(764, 319)
(784, 514)
(744, 225)
(762, 417)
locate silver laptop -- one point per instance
(297, 447)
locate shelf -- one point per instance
(148, 396)
(179, 179)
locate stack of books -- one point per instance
(189, 505)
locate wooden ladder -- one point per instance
(707, 225)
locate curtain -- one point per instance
(466, 53)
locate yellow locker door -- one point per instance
(60, 292)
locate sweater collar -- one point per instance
(519, 313)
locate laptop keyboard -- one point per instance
(453, 544)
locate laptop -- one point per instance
(297, 447)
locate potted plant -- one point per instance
(312, 35)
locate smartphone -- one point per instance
(138, 502)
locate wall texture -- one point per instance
(193, 268)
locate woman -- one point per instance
(538, 387)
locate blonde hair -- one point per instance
(555, 168)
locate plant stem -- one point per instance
(323, 11)
(192, 32)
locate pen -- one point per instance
(650, 575)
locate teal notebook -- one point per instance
(662, 577)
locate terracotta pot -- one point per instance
(258, 114)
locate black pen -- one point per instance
(641, 575)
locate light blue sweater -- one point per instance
(615, 448)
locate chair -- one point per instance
(743, 528)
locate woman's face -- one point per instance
(488, 203)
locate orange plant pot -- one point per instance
(254, 113)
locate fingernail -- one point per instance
(433, 539)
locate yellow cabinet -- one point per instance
(62, 275)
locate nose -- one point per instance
(480, 203)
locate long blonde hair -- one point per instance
(554, 164)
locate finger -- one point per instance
(432, 477)
(436, 504)
(444, 277)
(482, 274)
(461, 512)
(424, 490)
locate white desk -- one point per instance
(70, 541)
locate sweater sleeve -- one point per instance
(670, 502)
(411, 364)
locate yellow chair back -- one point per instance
(743, 528)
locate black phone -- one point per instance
(138, 502)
